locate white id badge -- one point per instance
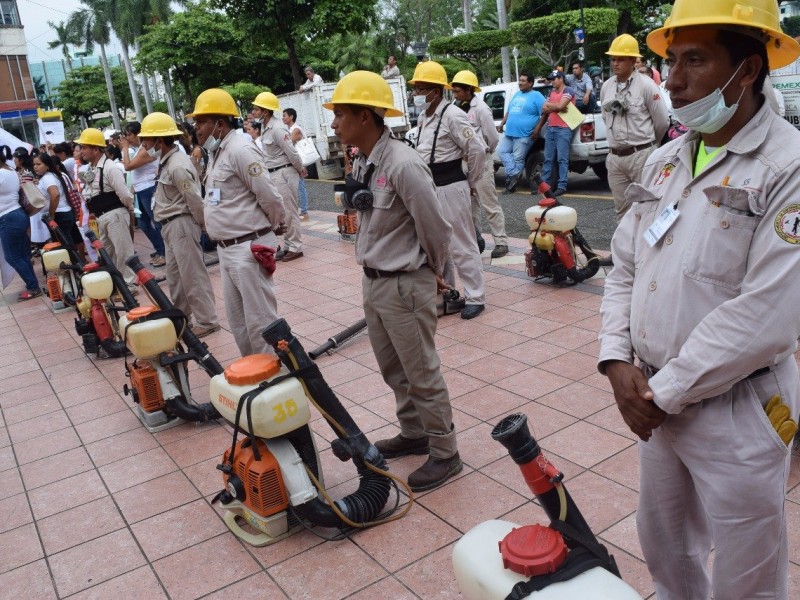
(661, 225)
(212, 195)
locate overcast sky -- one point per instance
(35, 14)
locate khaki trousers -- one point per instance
(401, 323)
(487, 197)
(187, 277)
(114, 229)
(623, 171)
(287, 180)
(250, 302)
(464, 256)
(715, 475)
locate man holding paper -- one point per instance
(559, 133)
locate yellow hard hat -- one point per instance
(753, 15)
(267, 100)
(158, 124)
(625, 45)
(430, 72)
(364, 88)
(466, 78)
(91, 137)
(214, 101)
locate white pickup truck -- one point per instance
(589, 145)
(316, 122)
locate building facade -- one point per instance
(17, 95)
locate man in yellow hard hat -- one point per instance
(636, 119)
(242, 208)
(178, 209)
(446, 139)
(109, 200)
(465, 84)
(285, 169)
(706, 264)
(402, 245)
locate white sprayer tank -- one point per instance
(479, 571)
(558, 218)
(276, 410)
(53, 258)
(147, 339)
(97, 285)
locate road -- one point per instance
(587, 194)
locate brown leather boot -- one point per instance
(434, 473)
(402, 446)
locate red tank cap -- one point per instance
(548, 202)
(92, 266)
(533, 550)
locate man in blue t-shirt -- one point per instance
(523, 114)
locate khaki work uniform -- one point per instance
(114, 224)
(480, 116)
(284, 166)
(402, 244)
(632, 134)
(710, 310)
(179, 210)
(456, 140)
(241, 206)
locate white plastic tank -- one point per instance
(558, 218)
(53, 258)
(277, 410)
(147, 339)
(480, 574)
(97, 285)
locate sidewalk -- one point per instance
(94, 506)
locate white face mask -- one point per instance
(154, 153)
(709, 114)
(211, 144)
(421, 102)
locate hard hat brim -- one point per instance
(391, 111)
(446, 86)
(782, 49)
(627, 54)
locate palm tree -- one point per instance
(63, 40)
(129, 18)
(90, 26)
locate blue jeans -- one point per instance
(556, 148)
(303, 196)
(146, 222)
(17, 246)
(513, 151)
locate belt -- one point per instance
(163, 222)
(378, 274)
(245, 238)
(273, 169)
(628, 150)
(649, 370)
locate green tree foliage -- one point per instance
(202, 49)
(83, 92)
(791, 26)
(550, 38)
(479, 49)
(285, 23)
(244, 93)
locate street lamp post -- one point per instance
(515, 54)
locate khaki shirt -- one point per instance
(278, 147)
(177, 189)
(405, 228)
(480, 116)
(248, 199)
(113, 181)
(456, 139)
(646, 120)
(715, 299)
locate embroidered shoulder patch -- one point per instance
(787, 224)
(186, 185)
(665, 172)
(254, 169)
(468, 133)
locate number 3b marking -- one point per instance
(283, 410)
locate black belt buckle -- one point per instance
(272, 170)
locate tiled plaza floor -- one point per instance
(94, 506)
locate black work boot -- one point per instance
(434, 473)
(402, 446)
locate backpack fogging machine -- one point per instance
(499, 560)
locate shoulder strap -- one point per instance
(436, 134)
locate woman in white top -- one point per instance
(14, 223)
(54, 183)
